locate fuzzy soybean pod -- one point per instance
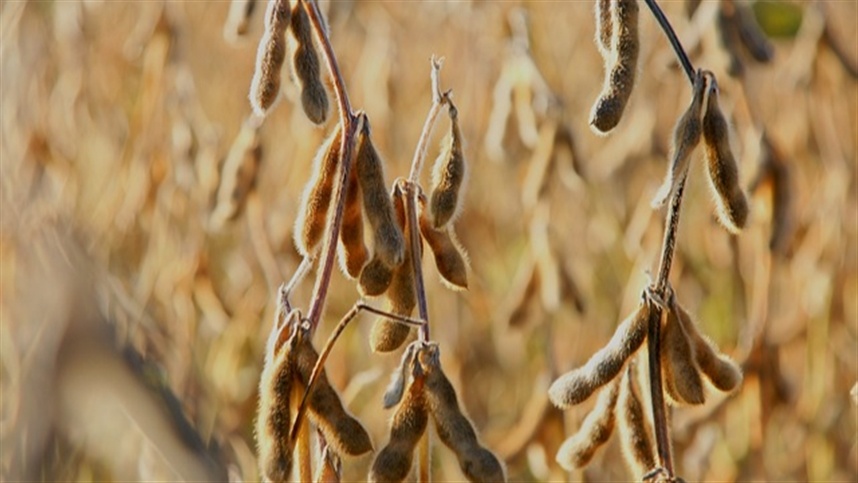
(686, 137)
(388, 244)
(619, 76)
(394, 391)
(316, 200)
(454, 429)
(374, 278)
(351, 250)
(679, 370)
(393, 462)
(448, 177)
(604, 28)
(270, 56)
(595, 431)
(577, 385)
(274, 415)
(344, 434)
(732, 206)
(305, 65)
(724, 374)
(634, 429)
(388, 334)
(450, 258)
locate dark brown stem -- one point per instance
(665, 25)
(411, 192)
(350, 127)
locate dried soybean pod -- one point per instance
(453, 428)
(723, 171)
(594, 432)
(238, 18)
(448, 176)
(633, 427)
(449, 255)
(388, 244)
(728, 33)
(274, 415)
(374, 278)
(752, 36)
(619, 77)
(393, 393)
(686, 137)
(351, 250)
(393, 462)
(773, 172)
(604, 28)
(238, 174)
(344, 434)
(270, 56)
(679, 369)
(305, 65)
(316, 200)
(724, 374)
(577, 385)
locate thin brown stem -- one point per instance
(438, 100)
(411, 191)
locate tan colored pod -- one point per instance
(388, 243)
(448, 177)
(306, 67)
(273, 420)
(634, 428)
(773, 173)
(453, 427)
(351, 250)
(394, 391)
(723, 171)
(594, 432)
(394, 461)
(344, 434)
(238, 175)
(620, 76)
(374, 278)
(686, 137)
(724, 374)
(679, 369)
(450, 258)
(577, 385)
(270, 56)
(316, 200)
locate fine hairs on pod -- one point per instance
(732, 206)
(594, 432)
(679, 370)
(577, 385)
(448, 177)
(270, 56)
(634, 428)
(316, 200)
(306, 67)
(619, 75)
(450, 258)
(351, 250)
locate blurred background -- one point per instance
(139, 265)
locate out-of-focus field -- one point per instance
(116, 119)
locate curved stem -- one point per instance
(664, 23)
(438, 100)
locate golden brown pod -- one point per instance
(305, 65)
(448, 177)
(773, 173)
(316, 200)
(679, 369)
(723, 171)
(273, 420)
(374, 278)
(620, 76)
(344, 433)
(330, 468)
(388, 244)
(453, 428)
(686, 137)
(604, 28)
(594, 432)
(577, 385)
(388, 334)
(351, 250)
(270, 56)
(634, 428)
(394, 461)
(450, 258)
(724, 374)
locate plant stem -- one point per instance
(438, 100)
(411, 192)
(350, 127)
(672, 38)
